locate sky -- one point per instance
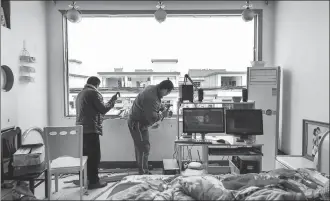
(105, 43)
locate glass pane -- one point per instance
(124, 51)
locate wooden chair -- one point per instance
(64, 154)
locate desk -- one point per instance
(215, 145)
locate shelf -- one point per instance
(27, 59)
(24, 78)
(27, 69)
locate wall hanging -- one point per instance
(312, 134)
(26, 67)
(7, 78)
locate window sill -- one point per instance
(120, 118)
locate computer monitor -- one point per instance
(203, 120)
(244, 122)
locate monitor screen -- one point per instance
(203, 120)
(244, 122)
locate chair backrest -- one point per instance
(323, 154)
(10, 142)
(63, 141)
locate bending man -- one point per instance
(146, 110)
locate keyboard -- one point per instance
(194, 141)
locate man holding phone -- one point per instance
(90, 110)
(145, 111)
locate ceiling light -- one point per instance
(160, 14)
(73, 14)
(248, 13)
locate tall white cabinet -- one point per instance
(263, 84)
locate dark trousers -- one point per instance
(140, 137)
(91, 148)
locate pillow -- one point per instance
(205, 188)
(195, 166)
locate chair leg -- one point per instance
(85, 178)
(49, 186)
(81, 183)
(46, 184)
(31, 185)
(56, 182)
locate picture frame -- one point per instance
(312, 133)
(3, 17)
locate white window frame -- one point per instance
(149, 13)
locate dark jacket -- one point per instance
(90, 110)
(146, 106)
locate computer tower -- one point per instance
(263, 86)
(246, 164)
(244, 95)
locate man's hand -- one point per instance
(165, 113)
(155, 126)
(162, 108)
(113, 98)
(112, 104)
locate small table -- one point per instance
(295, 162)
(205, 149)
(33, 179)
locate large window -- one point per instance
(131, 52)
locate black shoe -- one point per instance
(97, 185)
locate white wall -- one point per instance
(302, 50)
(117, 134)
(26, 104)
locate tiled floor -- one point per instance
(69, 191)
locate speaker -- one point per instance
(200, 95)
(245, 95)
(186, 92)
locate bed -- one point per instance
(279, 184)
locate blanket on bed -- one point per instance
(275, 185)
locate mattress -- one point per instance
(280, 184)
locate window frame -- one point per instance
(257, 52)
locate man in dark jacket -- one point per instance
(146, 110)
(90, 110)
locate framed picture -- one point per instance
(312, 134)
(2, 17)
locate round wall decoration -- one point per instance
(7, 78)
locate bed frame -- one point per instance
(322, 164)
